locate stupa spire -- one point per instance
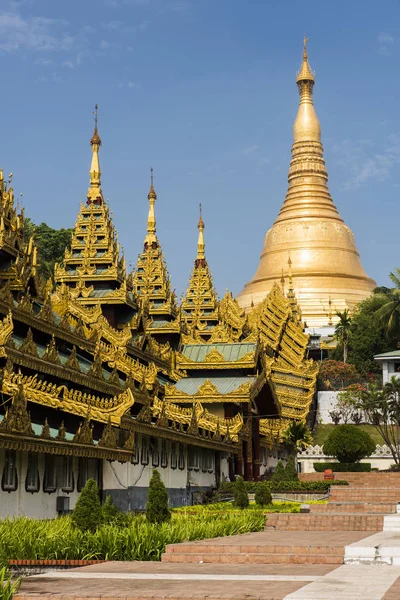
(309, 226)
(200, 242)
(94, 192)
(151, 219)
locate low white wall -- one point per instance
(381, 459)
(326, 402)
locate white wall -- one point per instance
(326, 402)
(37, 505)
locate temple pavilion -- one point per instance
(105, 375)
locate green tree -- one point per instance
(382, 408)
(349, 444)
(157, 510)
(290, 469)
(367, 337)
(279, 473)
(389, 312)
(342, 331)
(51, 244)
(262, 495)
(297, 437)
(86, 515)
(109, 511)
(240, 493)
(335, 375)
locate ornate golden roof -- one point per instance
(93, 266)
(151, 281)
(322, 248)
(200, 304)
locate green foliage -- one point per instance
(263, 495)
(51, 244)
(240, 493)
(297, 436)
(25, 538)
(8, 585)
(322, 432)
(290, 470)
(279, 473)
(382, 408)
(227, 487)
(342, 331)
(336, 375)
(348, 444)
(87, 514)
(368, 336)
(343, 467)
(109, 512)
(157, 510)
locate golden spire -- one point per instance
(200, 243)
(151, 219)
(94, 192)
(310, 227)
(306, 126)
(283, 283)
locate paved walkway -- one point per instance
(144, 580)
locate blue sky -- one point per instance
(204, 92)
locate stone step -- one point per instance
(382, 508)
(391, 523)
(375, 495)
(379, 480)
(256, 558)
(324, 522)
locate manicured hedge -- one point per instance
(283, 486)
(338, 467)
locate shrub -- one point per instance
(109, 511)
(287, 486)
(157, 510)
(343, 467)
(348, 444)
(86, 515)
(240, 493)
(335, 375)
(263, 495)
(290, 470)
(279, 473)
(8, 584)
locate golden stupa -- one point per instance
(309, 234)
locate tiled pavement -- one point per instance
(273, 582)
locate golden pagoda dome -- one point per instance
(325, 264)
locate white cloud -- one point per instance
(250, 149)
(384, 51)
(264, 161)
(69, 64)
(385, 38)
(367, 160)
(104, 44)
(35, 33)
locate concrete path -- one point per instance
(351, 582)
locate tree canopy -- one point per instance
(51, 244)
(368, 335)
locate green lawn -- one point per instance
(322, 431)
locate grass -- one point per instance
(216, 508)
(323, 430)
(8, 585)
(24, 538)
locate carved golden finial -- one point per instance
(94, 192)
(95, 137)
(330, 322)
(200, 243)
(151, 219)
(152, 193)
(289, 262)
(305, 73)
(283, 283)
